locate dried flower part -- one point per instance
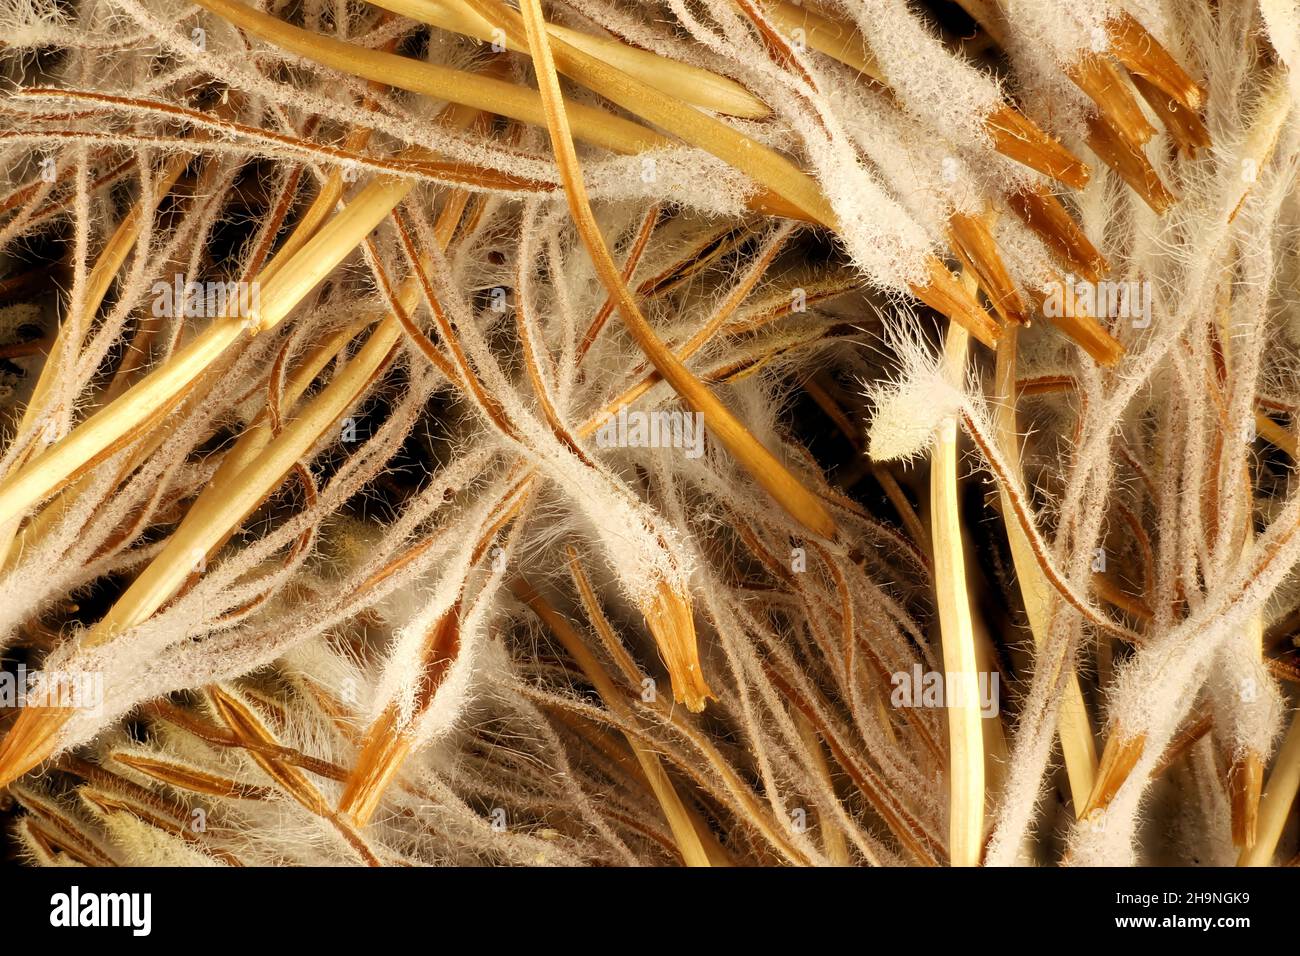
(1138, 50)
(525, 433)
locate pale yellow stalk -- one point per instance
(210, 519)
(839, 41)
(1078, 745)
(765, 166)
(834, 845)
(1276, 435)
(35, 735)
(258, 435)
(106, 268)
(154, 395)
(687, 83)
(101, 278)
(1275, 805)
(441, 82)
(320, 209)
(960, 660)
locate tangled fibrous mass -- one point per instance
(706, 432)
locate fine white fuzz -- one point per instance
(505, 432)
